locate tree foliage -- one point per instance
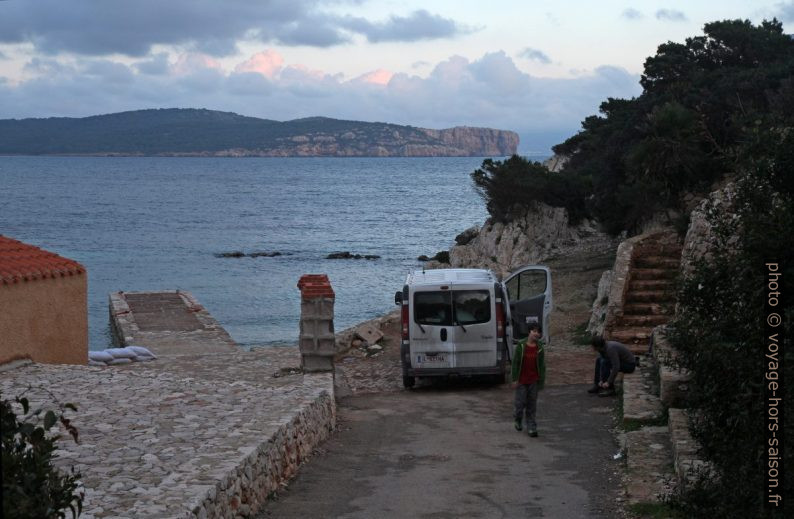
(511, 185)
(695, 122)
(32, 486)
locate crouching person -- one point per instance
(528, 375)
(613, 358)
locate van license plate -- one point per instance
(432, 358)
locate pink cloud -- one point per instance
(377, 77)
(268, 63)
(191, 62)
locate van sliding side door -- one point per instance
(530, 300)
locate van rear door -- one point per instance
(474, 329)
(432, 331)
(530, 300)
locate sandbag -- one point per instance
(118, 361)
(122, 353)
(100, 356)
(142, 353)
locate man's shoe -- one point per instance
(517, 424)
(608, 392)
(593, 390)
(533, 433)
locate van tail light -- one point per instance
(500, 320)
(404, 319)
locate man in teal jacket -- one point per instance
(529, 375)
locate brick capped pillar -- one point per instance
(316, 341)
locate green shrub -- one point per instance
(511, 186)
(719, 332)
(32, 486)
(442, 256)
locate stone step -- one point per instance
(673, 380)
(642, 320)
(664, 262)
(635, 338)
(686, 460)
(648, 465)
(641, 405)
(647, 296)
(647, 309)
(652, 273)
(649, 248)
(668, 285)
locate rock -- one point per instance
(233, 254)
(369, 333)
(348, 255)
(466, 236)
(265, 254)
(423, 258)
(556, 163)
(537, 234)
(599, 313)
(356, 343)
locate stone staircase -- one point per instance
(660, 453)
(643, 296)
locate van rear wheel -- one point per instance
(409, 382)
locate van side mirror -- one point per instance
(398, 298)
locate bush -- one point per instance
(720, 332)
(32, 486)
(511, 186)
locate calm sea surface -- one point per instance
(157, 223)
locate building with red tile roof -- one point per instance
(43, 305)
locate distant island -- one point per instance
(177, 132)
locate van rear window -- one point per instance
(450, 308)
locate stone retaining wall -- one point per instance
(265, 469)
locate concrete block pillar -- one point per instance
(316, 341)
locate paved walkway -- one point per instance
(189, 434)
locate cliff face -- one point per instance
(391, 142)
(541, 233)
(477, 141)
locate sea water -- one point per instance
(160, 224)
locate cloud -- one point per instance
(268, 63)
(633, 14)
(785, 11)
(490, 91)
(534, 55)
(206, 26)
(419, 25)
(377, 77)
(157, 65)
(670, 15)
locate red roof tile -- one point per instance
(22, 262)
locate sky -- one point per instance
(534, 67)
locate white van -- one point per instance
(465, 322)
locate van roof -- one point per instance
(451, 276)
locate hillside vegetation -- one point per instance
(709, 107)
(193, 132)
